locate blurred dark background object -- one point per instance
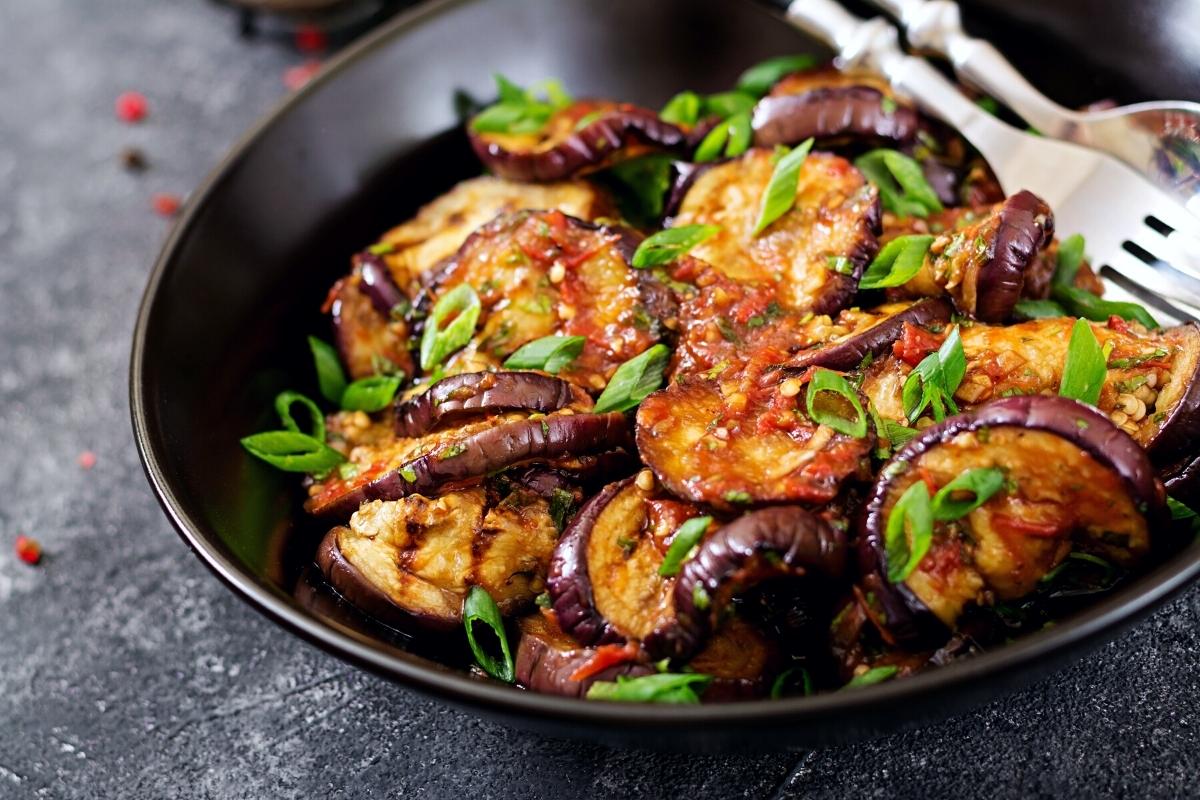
(339, 20)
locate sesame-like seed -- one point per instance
(790, 387)
(645, 480)
(557, 273)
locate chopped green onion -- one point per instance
(759, 79)
(550, 354)
(283, 407)
(634, 381)
(1084, 371)
(480, 607)
(932, 382)
(726, 104)
(799, 674)
(872, 676)
(901, 183)
(1082, 303)
(740, 135)
(839, 264)
(981, 482)
(519, 110)
(330, 378)
(780, 194)
(739, 496)
(685, 539)
(560, 505)
(712, 144)
(824, 380)
(639, 187)
(437, 343)
(897, 263)
(291, 451)
(682, 109)
(911, 518)
(1070, 258)
(663, 687)
(1181, 513)
(372, 393)
(1027, 308)
(668, 245)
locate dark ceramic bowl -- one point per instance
(222, 325)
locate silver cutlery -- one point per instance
(1138, 235)
(1159, 139)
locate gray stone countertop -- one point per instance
(126, 670)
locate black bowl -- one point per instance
(222, 325)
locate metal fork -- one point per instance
(1125, 219)
(1159, 139)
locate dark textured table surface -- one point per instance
(127, 670)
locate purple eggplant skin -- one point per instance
(1178, 434)
(619, 127)
(568, 582)
(765, 544)
(376, 282)
(907, 617)
(875, 340)
(1026, 226)
(1182, 480)
(359, 592)
(485, 452)
(546, 660)
(830, 112)
(474, 393)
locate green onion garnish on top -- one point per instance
(330, 377)
(550, 354)
(521, 110)
(686, 537)
(980, 483)
(634, 381)
(664, 687)
(897, 263)
(901, 183)
(909, 531)
(669, 244)
(479, 607)
(1085, 369)
(291, 451)
(759, 79)
(835, 412)
(780, 194)
(372, 393)
(438, 342)
(933, 382)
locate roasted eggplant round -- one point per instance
(1030, 479)
(477, 393)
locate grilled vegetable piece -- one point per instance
(476, 393)
(440, 461)
(981, 265)
(417, 557)
(1182, 478)
(547, 659)
(742, 661)
(814, 254)
(543, 273)
(1152, 390)
(586, 136)
(847, 352)
(762, 545)
(440, 228)
(729, 451)
(857, 646)
(370, 338)
(604, 582)
(797, 109)
(1067, 478)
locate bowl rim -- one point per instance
(1090, 626)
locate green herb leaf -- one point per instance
(798, 675)
(901, 183)
(726, 104)
(283, 407)
(372, 393)
(480, 607)
(668, 245)
(519, 110)
(932, 382)
(759, 79)
(662, 687)
(682, 109)
(437, 342)
(872, 676)
(897, 263)
(780, 195)
(835, 414)
(634, 381)
(1070, 257)
(640, 188)
(550, 354)
(560, 506)
(981, 482)
(686, 537)
(909, 531)
(291, 451)
(712, 144)
(1084, 371)
(1082, 303)
(1038, 309)
(330, 378)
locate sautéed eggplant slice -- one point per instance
(839, 412)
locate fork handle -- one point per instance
(874, 45)
(936, 26)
